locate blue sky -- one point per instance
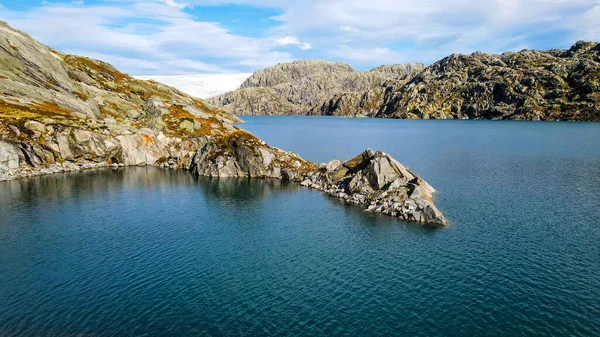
(166, 37)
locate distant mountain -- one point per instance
(527, 85)
(308, 87)
(202, 86)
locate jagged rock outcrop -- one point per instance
(62, 112)
(294, 71)
(529, 85)
(381, 184)
(312, 87)
(372, 179)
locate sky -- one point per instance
(175, 37)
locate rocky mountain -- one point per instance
(61, 112)
(526, 85)
(312, 87)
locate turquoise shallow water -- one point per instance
(144, 251)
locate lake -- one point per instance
(145, 251)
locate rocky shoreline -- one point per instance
(65, 113)
(373, 180)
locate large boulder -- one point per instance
(9, 157)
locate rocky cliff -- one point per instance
(61, 112)
(312, 87)
(526, 85)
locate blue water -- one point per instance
(145, 251)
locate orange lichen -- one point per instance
(81, 95)
(147, 138)
(104, 69)
(178, 114)
(51, 107)
(37, 110)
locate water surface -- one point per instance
(143, 251)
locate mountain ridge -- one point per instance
(525, 85)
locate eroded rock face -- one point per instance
(381, 184)
(525, 85)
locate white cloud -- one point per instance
(426, 30)
(292, 40)
(349, 29)
(287, 40)
(172, 3)
(119, 32)
(377, 55)
(305, 46)
(159, 36)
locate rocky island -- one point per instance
(526, 85)
(61, 112)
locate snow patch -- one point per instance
(202, 86)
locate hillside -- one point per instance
(61, 112)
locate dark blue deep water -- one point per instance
(149, 252)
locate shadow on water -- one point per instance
(22, 196)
